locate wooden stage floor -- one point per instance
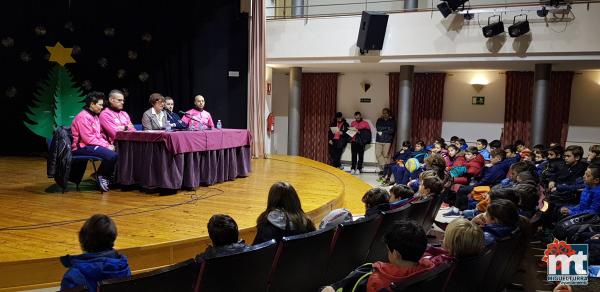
(38, 223)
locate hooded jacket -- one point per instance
(215, 251)
(387, 129)
(491, 232)
(277, 226)
(59, 158)
(474, 167)
(385, 273)
(90, 268)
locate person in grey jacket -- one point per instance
(386, 129)
(155, 118)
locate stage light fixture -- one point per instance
(519, 28)
(493, 29)
(449, 6)
(444, 9)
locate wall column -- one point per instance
(294, 111)
(411, 5)
(539, 112)
(297, 8)
(404, 105)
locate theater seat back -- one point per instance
(350, 247)
(244, 271)
(378, 250)
(434, 207)
(434, 280)
(468, 273)
(418, 210)
(301, 261)
(179, 277)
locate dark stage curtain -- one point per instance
(559, 105)
(177, 48)
(393, 88)
(428, 101)
(318, 105)
(517, 107)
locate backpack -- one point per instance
(356, 281)
(363, 137)
(573, 227)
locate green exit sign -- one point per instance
(365, 100)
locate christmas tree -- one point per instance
(57, 99)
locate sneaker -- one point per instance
(452, 213)
(380, 180)
(358, 171)
(381, 172)
(351, 171)
(102, 183)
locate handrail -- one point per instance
(423, 9)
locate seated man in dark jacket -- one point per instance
(224, 234)
(173, 118)
(100, 261)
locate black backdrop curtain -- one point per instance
(177, 48)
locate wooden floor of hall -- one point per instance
(39, 223)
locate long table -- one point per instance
(182, 159)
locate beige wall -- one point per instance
(350, 92)
(585, 100)
(458, 92)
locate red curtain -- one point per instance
(428, 101)
(559, 105)
(517, 106)
(394, 88)
(318, 105)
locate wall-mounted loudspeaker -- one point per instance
(372, 31)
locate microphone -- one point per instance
(193, 118)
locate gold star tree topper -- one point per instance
(60, 54)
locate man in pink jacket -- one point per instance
(114, 118)
(88, 138)
(198, 115)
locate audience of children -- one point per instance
(376, 201)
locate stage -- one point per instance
(40, 224)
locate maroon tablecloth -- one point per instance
(186, 141)
(175, 160)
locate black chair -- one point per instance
(495, 276)
(434, 280)
(244, 271)
(301, 261)
(434, 208)
(468, 273)
(78, 164)
(378, 251)
(178, 277)
(350, 247)
(418, 210)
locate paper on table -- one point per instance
(333, 129)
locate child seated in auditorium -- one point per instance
(456, 157)
(462, 144)
(376, 201)
(399, 158)
(512, 155)
(224, 234)
(496, 171)
(419, 153)
(539, 156)
(406, 242)
(548, 169)
(589, 203)
(430, 185)
(462, 239)
(482, 148)
(283, 216)
(400, 195)
(473, 166)
(502, 219)
(401, 174)
(522, 150)
(99, 260)
(594, 154)
(568, 181)
(495, 144)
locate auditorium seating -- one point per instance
(418, 210)
(434, 208)
(253, 267)
(378, 250)
(179, 277)
(434, 280)
(301, 261)
(308, 261)
(468, 273)
(350, 247)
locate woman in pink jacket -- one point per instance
(88, 139)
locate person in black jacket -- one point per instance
(173, 118)
(386, 128)
(567, 182)
(337, 140)
(224, 234)
(284, 215)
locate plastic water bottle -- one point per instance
(168, 127)
(219, 124)
(191, 126)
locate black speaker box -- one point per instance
(372, 31)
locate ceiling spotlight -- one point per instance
(519, 28)
(493, 29)
(449, 6)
